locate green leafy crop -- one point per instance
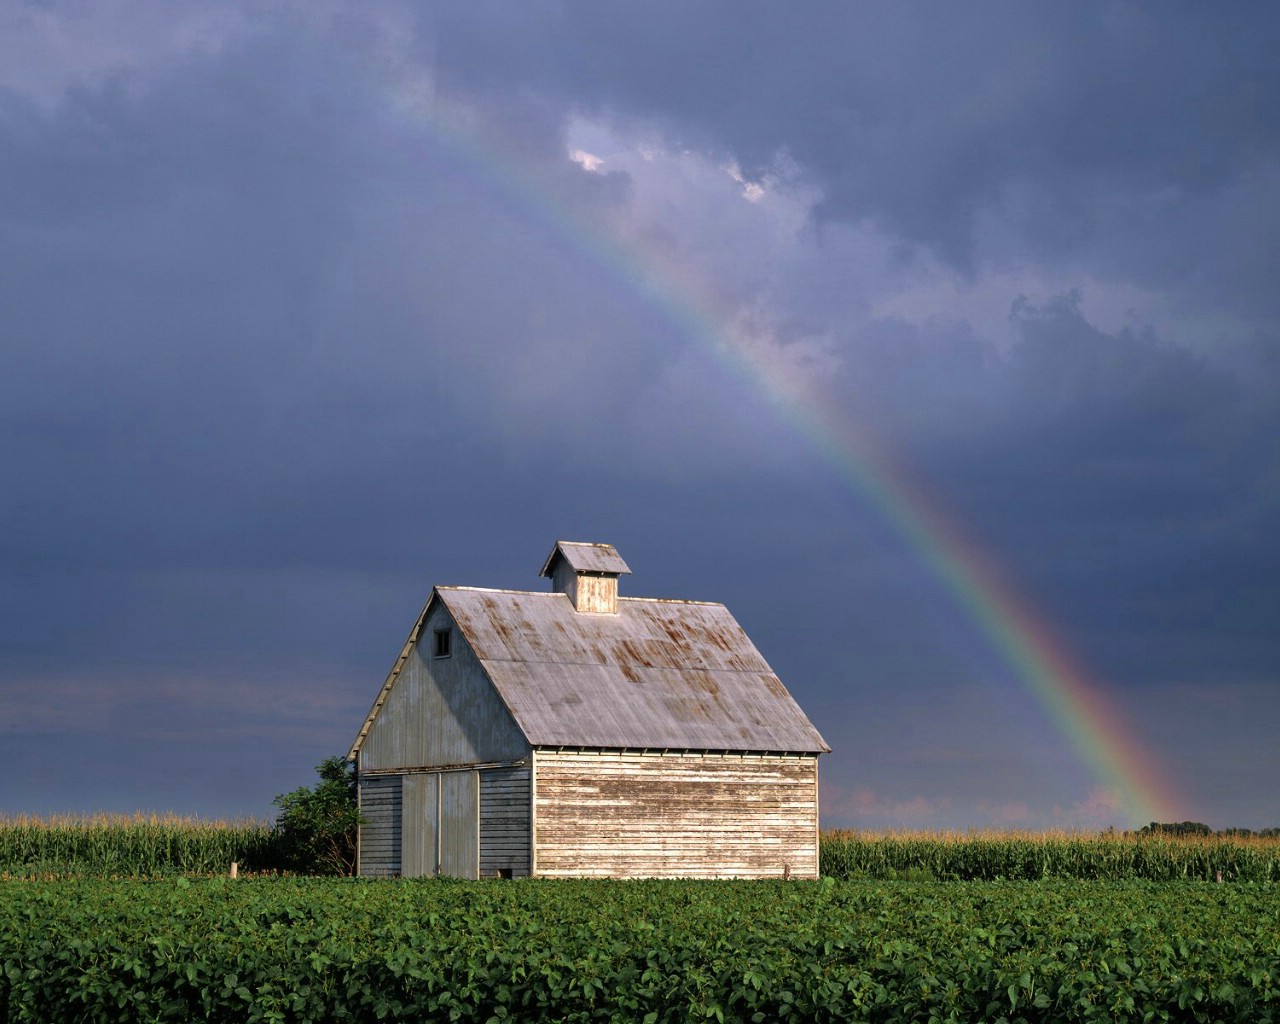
(298, 950)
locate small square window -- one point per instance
(444, 643)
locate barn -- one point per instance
(578, 733)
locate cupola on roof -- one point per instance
(601, 671)
(586, 558)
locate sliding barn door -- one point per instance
(460, 824)
(420, 826)
(440, 824)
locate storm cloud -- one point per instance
(302, 312)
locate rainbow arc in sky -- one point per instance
(1078, 704)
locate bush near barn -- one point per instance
(315, 831)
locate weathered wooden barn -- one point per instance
(577, 733)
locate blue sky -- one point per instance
(303, 311)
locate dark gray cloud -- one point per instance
(1126, 480)
(303, 320)
(1125, 466)
(1104, 134)
(224, 312)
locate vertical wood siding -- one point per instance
(597, 594)
(588, 593)
(380, 834)
(504, 822)
(635, 815)
(441, 710)
(460, 824)
(420, 824)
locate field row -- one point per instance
(1105, 857)
(149, 847)
(136, 846)
(343, 950)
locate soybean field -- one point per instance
(295, 949)
(134, 919)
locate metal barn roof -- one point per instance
(657, 675)
(603, 558)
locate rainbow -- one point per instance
(1077, 703)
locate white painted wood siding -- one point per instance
(598, 595)
(380, 804)
(634, 815)
(589, 592)
(441, 711)
(504, 822)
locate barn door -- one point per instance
(420, 825)
(460, 824)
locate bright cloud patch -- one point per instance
(587, 161)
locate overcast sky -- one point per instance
(306, 310)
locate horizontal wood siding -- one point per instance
(640, 815)
(504, 822)
(380, 804)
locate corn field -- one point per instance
(148, 846)
(1027, 856)
(130, 846)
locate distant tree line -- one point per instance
(1199, 828)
